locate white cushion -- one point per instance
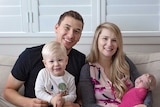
(6, 64)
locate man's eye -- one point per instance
(66, 28)
(77, 31)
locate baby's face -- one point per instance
(143, 81)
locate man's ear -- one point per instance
(56, 27)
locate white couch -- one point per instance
(145, 62)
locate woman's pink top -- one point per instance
(104, 91)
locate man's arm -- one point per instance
(12, 95)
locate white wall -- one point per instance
(141, 33)
(14, 46)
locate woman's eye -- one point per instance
(105, 38)
(114, 40)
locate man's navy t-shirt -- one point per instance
(30, 63)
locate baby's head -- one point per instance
(55, 58)
(147, 81)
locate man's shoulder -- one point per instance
(77, 52)
(34, 48)
(31, 52)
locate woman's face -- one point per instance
(107, 43)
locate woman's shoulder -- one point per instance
(85, 71)
(85, 67)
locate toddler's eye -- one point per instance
(51, 61)
(60, 59)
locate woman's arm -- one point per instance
(148, 99)
(133, 70)
(86, 88)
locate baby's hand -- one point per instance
(63, 93)
(56, 99)
(60, 102)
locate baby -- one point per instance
(136, 95)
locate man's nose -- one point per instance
(71, 33)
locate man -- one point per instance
(68, 32)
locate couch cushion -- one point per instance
(6, 64)
(149, 63)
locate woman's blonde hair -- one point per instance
(119, 67)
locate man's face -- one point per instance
(68, 32)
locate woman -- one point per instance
(106, 76)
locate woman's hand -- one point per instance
(140, 105)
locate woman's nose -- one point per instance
(109, 42)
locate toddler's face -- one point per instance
(56, 64)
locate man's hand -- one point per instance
(70, 104)
(34, 102)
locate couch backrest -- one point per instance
(149, 63)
